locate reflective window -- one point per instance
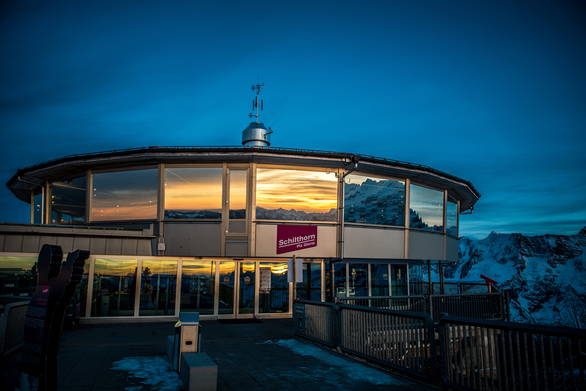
(274, 287)
(38, 208)
(68, 201)
(374, 201)
(296, 195)
(246, 303)
(226, 290)
(417, 286)
(158, 283)
(340, 279)
(310, 288)
(358, 279)
(452, 218)
(238, 194)
(398, 280)
(193, 193)
(125, 195)
(379, 279)
(197, 286)
(114, 287)
(426, 208)
(329, 278)
(18, 275)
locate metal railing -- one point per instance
(496, 355)
(395, 303)
(401, 340)
(478, 305)
(12, 326)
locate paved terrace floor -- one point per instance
(249, 357)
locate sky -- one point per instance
(493, 92)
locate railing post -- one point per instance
(441, 362)
(337, 326)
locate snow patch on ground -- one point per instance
(353, 370)
(153, 372)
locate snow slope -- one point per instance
(546, 274)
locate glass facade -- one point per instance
(227, 286)
(247, 282)
(340, 279)
(197, 286)
(399, 280)
(237, 199)
(310, 288)
(273, 287)
(452, 219)
(114, 287)
(37, 208)
(125, 195)
(379, 279)
(68, 199)
(296, 195)
(426, 209)
(193, 193)
(370, 200)
(358, 285)
(158, 286)
(18, 275)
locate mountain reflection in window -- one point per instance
(452, 218)
(295, 195)
(193, 193)
(125, 195)
(426, 209)
(374, 200)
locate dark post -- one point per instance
(430, 284)
(56, 283)
(441, 276)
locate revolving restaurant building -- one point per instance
(211, 229)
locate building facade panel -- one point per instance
(266, 242)
(371, 242)
(426, 245)
(193, 239)
(452, 246)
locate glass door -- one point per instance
(246, 290)
(226, 289)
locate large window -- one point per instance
(114, 287)
(374, 201)
(125, 195)
(18, 275)
(37, 205)
(68, 201)
(197, 286)
(452, 218)
(426, 209)
(274, 288)
(193, 193)
(379, 279)
(158, 287)
(310, 288)
(358, 285)
(296, 195)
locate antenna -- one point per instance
(257, 102)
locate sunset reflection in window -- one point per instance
(193, 193)
(125, 195)
(295, 195)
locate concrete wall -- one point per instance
(266, 242)
(16, 238)
(192, 239)
(366, 242)
(426, 245)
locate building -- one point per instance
(211, 229)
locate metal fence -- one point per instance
(397, 339)
(12, 326)
(496, 355)
(479, 305)
(395, 303)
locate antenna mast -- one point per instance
(257, 103)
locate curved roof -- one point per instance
(27, 179)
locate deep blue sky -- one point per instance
(494, 93)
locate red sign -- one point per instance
(295, 237)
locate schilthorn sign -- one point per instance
(295, 237)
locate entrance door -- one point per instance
(226, 289)
(247, 291)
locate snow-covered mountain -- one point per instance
(546, 274)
